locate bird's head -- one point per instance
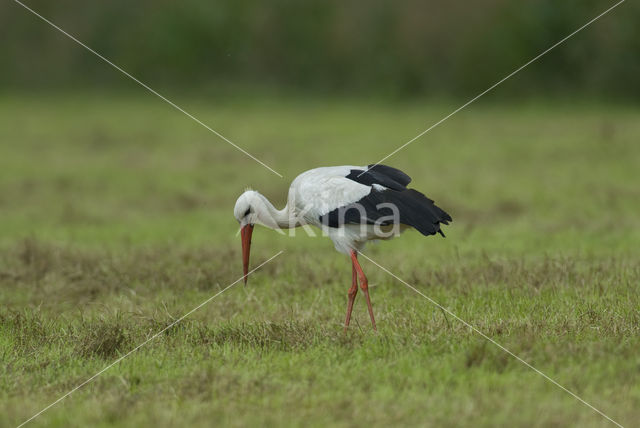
(253, 208)
(245, 212)
(246, 208)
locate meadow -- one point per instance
(117, 218)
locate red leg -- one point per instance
(352, 295)
(364, 285)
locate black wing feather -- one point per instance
(391, 172)
(371, 177)
(380, 174)
(415, 209)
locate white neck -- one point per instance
(273, 218)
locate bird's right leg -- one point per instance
(364, 284)
(351, 294)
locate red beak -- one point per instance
(245, 233)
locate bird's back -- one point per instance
(320, 190)
(351, 195)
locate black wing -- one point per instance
(414, 208)
(380, 174)
(391, 172)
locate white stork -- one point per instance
(352, 205)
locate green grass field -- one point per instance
(116, 219)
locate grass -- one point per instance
(117, 219)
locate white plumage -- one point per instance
(319, 191)
(312, 194)
(351, 205)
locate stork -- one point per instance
(351, 205)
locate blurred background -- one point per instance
(90, 156)
(413, 49)
(116, 211)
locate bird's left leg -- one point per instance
(351, 294)
(364, 285)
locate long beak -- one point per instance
(246, 232)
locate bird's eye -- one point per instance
(247, 212)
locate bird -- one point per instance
(351, 205)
